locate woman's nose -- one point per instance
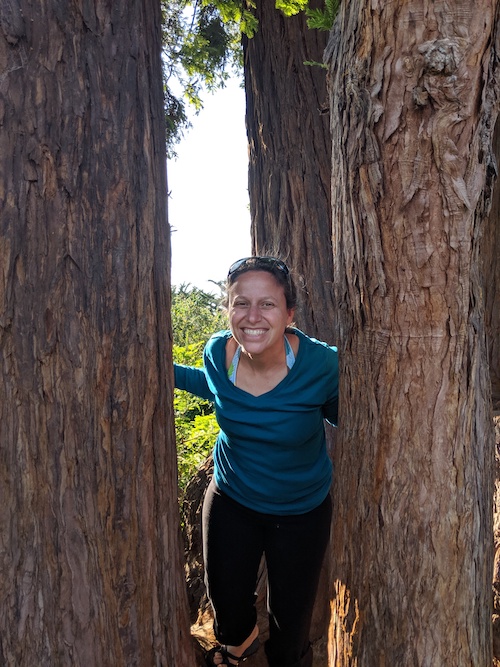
(253, 314)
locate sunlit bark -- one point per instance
(413, 103)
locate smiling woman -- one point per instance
(272, 387)
(208, 187)
(258, 318)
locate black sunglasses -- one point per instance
(257, 262)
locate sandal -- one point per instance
(226, 655)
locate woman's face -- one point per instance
(258, 315)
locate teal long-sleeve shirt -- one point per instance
(270, 454)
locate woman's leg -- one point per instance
(232, 550)
(295, 547)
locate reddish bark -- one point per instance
(90, 557)
(413, 95)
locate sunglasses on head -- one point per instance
(257, 262)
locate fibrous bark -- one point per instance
(413, 99)
(490, 257)
(289, 157)
(90, 559)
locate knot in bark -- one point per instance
(420, 96)
(441, 56)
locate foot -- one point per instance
(233, 655)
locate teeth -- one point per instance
(254, 332)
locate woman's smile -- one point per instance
(254, 332)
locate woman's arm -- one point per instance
(192, 379)
(331, 411)
(331, 406)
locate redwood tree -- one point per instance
(289, 156)
(413, 104)
(90, 564)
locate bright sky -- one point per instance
(208, 207)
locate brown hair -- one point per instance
(273, 265)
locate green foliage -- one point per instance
(202, 46)
(195, 441)
(291, 7)
(315, 63)
(322, 19)
(196, 315)
(238, 14)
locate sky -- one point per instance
(208, 206)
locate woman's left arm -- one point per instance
(331, 410)
(192, 379)
(331, 405)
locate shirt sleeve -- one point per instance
(192, 379)
(331, 411)
(331, 406)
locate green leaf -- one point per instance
(322, 19)
(291, 7)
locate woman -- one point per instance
(272, 387)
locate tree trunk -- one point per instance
(289, 156)
(490, 257)
(90, 556)
(413, 103)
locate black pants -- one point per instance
(234, 539)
